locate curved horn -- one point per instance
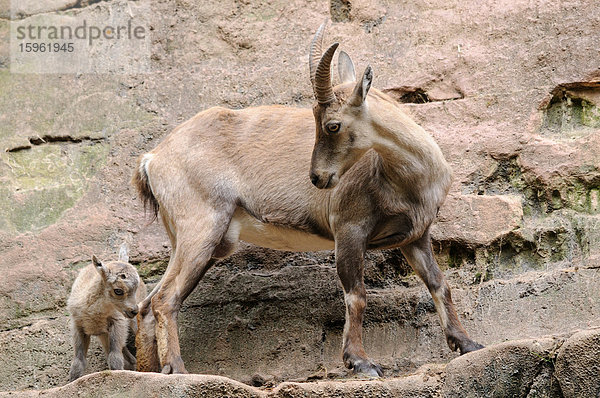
(316, 50)
(323, 88)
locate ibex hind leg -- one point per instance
(144, 305)
(420, 257)
(197, 239)
(145, 343)
(145, 337)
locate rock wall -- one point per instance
(510, 91)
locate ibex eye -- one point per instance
(333, 127)
(118, 292)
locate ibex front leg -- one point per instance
(349, 256)
(113, 343)
(81, 342)
(420, 257)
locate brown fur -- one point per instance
(228, 175)
(96, 310)
(140, 181)
(145, 344)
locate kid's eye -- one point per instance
(333, 127)
(118, 292)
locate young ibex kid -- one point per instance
(103, 303)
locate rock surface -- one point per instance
(577, 366)
(523, 368)
(509, 90)
(478, 220)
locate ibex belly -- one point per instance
(391, 232)
(276, 237)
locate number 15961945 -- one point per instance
(46, 47)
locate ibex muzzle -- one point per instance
(222, 176)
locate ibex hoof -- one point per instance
(365, 367)
(463, 344)
(470, 346)
(176, 366)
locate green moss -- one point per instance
(454, 254)
(152, 268)
(481, 277)
(22, 312)
(42, 180)
(587, 232)
(45, 181)
(37, 168)
(41, 208)
(90, 158)
(531, 247)
(582, 198)
(594, 200)
(590, 114)
(455, 260)
(569, 115)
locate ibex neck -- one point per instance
(96, 292)
(411, 160)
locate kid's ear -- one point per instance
(123, 253)
(99, 267)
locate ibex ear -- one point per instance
(362, 88)
(123, 255)
(99, 267)
(346, 68)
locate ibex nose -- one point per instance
(314, 178)
(132, 312)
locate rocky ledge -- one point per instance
(555, 366)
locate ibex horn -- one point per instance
(316, 50)
(322, 85)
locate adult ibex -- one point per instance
(375, 180)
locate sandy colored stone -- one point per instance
(520, 368)
(578, 365)
(477, 220)
(23, 8)
(134, 384)
(504, 370)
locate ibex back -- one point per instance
(375, 180)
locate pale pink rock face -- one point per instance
(505, 87)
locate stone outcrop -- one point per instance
(577, 368)
(550, 367)
(478, 220)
